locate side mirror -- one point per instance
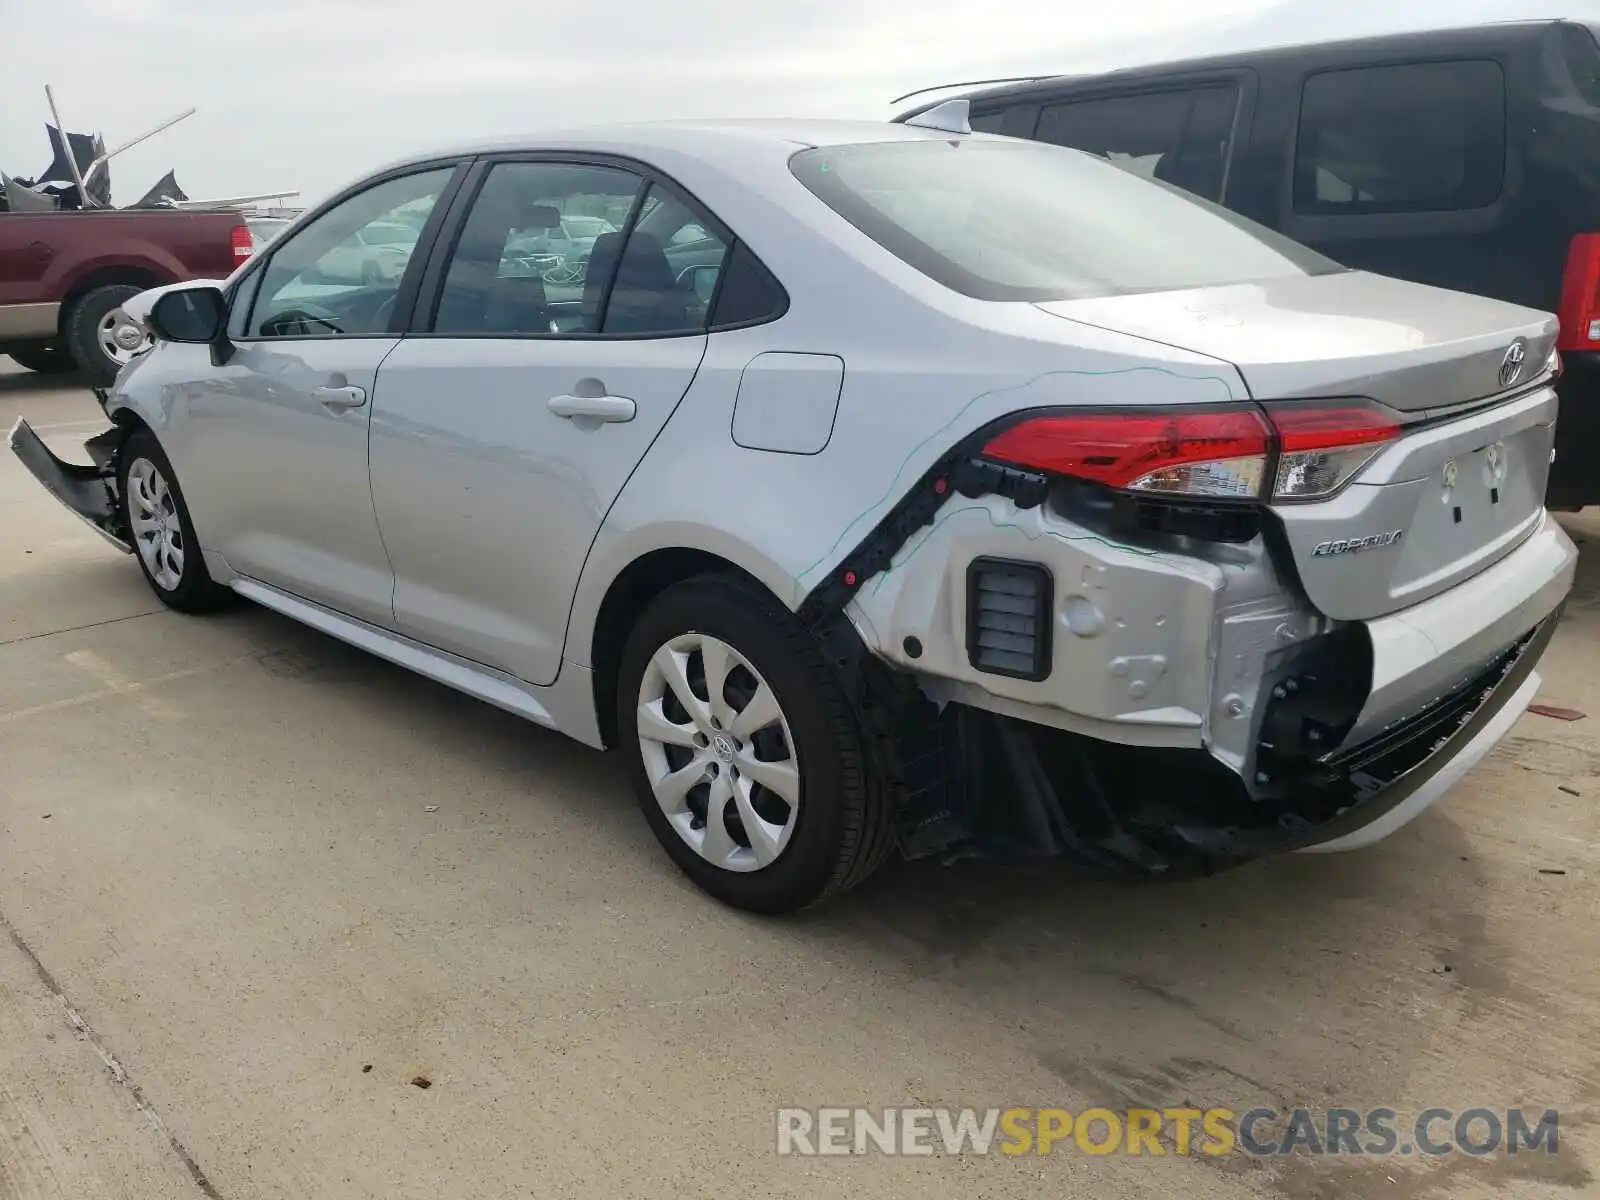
(197, 315)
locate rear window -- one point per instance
(1016, 220)
(1420, 137)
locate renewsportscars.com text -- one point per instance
(1213, 1132)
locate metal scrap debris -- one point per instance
(1560, 714)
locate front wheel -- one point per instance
(743, 751)
(155, 515)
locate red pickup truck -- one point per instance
(65, 275)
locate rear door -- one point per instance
(507, 423)
(27, 309)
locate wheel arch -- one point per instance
(629, 592)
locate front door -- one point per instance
(505, 428)
(279, 431)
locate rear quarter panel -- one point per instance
(923, 369)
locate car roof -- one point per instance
(1430, 41)
(724, 141)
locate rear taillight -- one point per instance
(242, 247)
(1320, 449)
(1204, 453)
(1580, 295)
(1199, 453)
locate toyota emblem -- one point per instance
(1511, 364)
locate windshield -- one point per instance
(1016, 220)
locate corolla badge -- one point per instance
(1511, 365)
(1373, 541)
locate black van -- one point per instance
(1465, 158)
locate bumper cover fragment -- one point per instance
(88, 492)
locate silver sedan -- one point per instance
(874, 486)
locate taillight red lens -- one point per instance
(1321, 447)
(242, 246)
(1204, 453)
(1199, 453)
(1580, 295)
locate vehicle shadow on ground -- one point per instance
(14, 383)
(1300, 980)
(926, 911)
(927, 915)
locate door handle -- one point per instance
(596, 408)
(340, 397)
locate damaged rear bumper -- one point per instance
(89, 492)
(1169, 712)
(1014, 789)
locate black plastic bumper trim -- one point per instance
(85, 491)
(1254, 844)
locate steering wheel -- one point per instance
(302, 321)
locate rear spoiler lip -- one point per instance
(86, 492)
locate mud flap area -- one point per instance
(89, 492)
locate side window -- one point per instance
(988, 122)
(537, 251)
(747, 293)
(1423, 137)
(330, 278)
(1179, 137)
(667, 273)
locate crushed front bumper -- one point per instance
(88, 492)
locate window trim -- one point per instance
(781, 311)
(249, 280)
(1323, 227)
(442, 251)
(1165, 87)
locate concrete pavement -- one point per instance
(232, 935)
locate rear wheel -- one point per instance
(743, 752)
(101, 337)
(156, 516)
(45, 359)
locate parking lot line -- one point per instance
(117, 684)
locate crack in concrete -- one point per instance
(50, 633)
(119, 1074)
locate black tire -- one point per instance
(843, 828)
(44, 359)
(83, 331)
(195, 591)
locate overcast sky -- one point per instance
(309, 93)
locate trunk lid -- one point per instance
(1462, 486)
